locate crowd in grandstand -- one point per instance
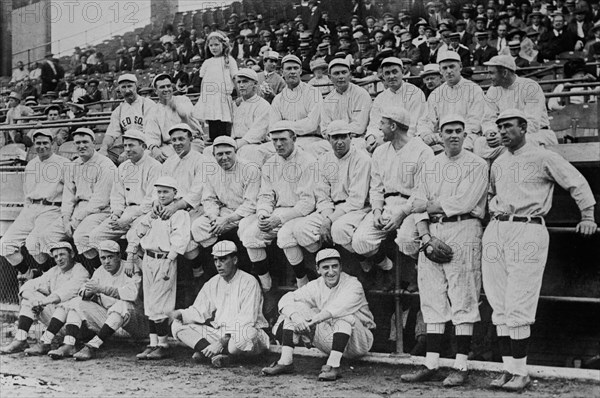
(212, 122)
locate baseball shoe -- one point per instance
(517, 383)
(14, 347)
(456, 378)
(64, 351)
(501, 380)
(329, 373)
(144, 354)
(220, 361)
(423, 374)
(159, 353)
(38, 349)
(86, 353)
(276, 369)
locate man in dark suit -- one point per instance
(484, 52)
(137, 61)
(239, 50)
(195, 79)
(83, 68)
(515, 48)
(253, 45)
(123, 62)
(579, 26)
(429, 50)
(463, 51)
(466, 39)
(557, 40)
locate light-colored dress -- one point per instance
(215, 101)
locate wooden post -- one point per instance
(398, 309)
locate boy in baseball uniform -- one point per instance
(161, 241)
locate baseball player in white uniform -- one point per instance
(169, 110)
(331, 312)
(286, 196)
(229, 194)
(456, 96)
(516, 240)
(449, 203)
(131, 194)
(347, 102)
(395, 169)
(399, 93)
(161, 241)
(341, 193)
(509, 91)
(299, 104)
(39, 224)
(41, 296)
(86, 195)
(134, 110)
(226, 318)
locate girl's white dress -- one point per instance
(215, 102)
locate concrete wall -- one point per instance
(31, 29)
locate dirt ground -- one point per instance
(116, 372)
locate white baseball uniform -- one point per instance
(346, 302)
(394, 175)
(286, 191)
(515, 253)
(226, 192)
(450, 291)
(251, 122)
(86, 196)
(39, 224)
(233, 307)
(343, 187)
(160, 238)
(351, 106)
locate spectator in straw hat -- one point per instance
(269, 81)
(515, 48)
(321, 80)
(15, 111)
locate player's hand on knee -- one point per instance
(175, 315)
(213, 349)
(394, 222)
(325, 231)
(586, 227)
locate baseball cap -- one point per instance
(338, 61)
(291, 58)
(448, 56)
(61, 245)
(127, 77)
(392, 61)
(397, 114)
(109, 246)
(338, 127)
(180, 126)
(223, 248)
(43, 132)
(161, 76)
(326, 254)
(135, 134)
(505, 61)
(166, 181)
(249, 73)
(509, 114)
(282, 125)
(85, 131)
(451, 118)
(225, 140)
(271, 55)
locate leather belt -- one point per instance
(45, 202)
(157, 255)
(442, 219)
(338, 202)
(526, 219)
(388, 194)
(545, 128)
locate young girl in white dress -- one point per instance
(215, 105)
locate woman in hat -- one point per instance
(215, 104)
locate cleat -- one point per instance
(501, 380)
(144, 354)
(14, 347)
(517, 383)
(423, 374)
(329, 373)
(456, 378)
(86, 353)
(38, 349)
(277, 369)
(64, 351)
(220, 361)
(159, 353)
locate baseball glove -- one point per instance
(437, 251)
